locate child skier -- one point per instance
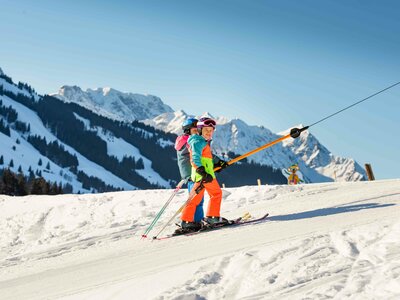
(203, 165)
(189, 127)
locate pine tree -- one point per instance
(48, 166)
(140, 164)
(1, 160)
(59, 189)
(40, 162)
(53, 189)
(21, 185)
(19, 169)
(9, 183)
(40, 186)
(11, 164)
(31, 176)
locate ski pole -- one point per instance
(157, 217)
(195, 190)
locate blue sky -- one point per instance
(271, 63)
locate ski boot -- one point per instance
(216, 221)
(187, 227)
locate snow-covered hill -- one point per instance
(26, 156)
(316, 162)
(20, 105)
(322, 241)
(114, 104)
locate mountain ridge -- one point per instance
(90, 152)
(91, 147)
(317, 163)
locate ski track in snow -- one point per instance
(341, 264)
(322, 241)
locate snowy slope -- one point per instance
(119, 148)
(114, 104)
(14, 89)
(27, 156)
(16, 148)
(317, 163)
(322, 241)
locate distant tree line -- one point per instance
(22, 126)
(4, 128)
(95, 184)
(54, 151)
(8, 113)
(21, 85)
(6, 78)
(26, 87)
(13, 184)
(28, 101)
(247, 173)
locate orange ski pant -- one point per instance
(214, 205)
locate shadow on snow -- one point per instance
(328, 211)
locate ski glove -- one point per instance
(206, 178)
(222, 164)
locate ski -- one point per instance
(233, 223)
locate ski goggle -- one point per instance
(206, 123)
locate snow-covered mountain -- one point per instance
(316, 162)
(70, 145)
(125, 141)
(87, 147)
(114, 104)
(322, 241)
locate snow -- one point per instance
(119, 148)
(86, 122)
(27, 155)
(168, 121)
(114, 104)
(14, 89)
(29, 117)
(323, 241)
